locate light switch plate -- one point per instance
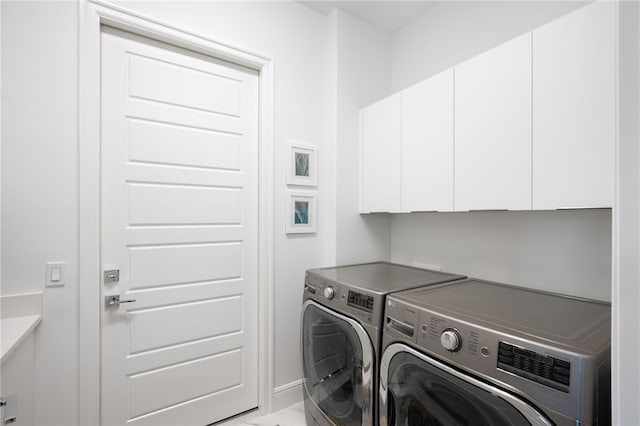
(56, 274)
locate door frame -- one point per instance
(92, 15)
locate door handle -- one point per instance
(114, 301)
(10, 404)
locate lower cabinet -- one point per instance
(18, 379)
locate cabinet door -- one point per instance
(573, 109)
(381, 154)
(427, 145)
(493, 129)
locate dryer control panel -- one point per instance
(344, 299)
(360, 301)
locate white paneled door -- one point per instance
(179, 140)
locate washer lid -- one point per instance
(578, 323)
(383, 277)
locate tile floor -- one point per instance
(289, 416)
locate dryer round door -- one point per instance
(418, 390)
(337, 362)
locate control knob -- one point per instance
(329, 292)
(451, 340)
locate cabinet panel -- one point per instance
(18, 379)
(573, 109)
(381, 153)
(493, 129)
(427, 144)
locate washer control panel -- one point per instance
(484, 351)
(550, 371)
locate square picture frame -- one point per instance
(301, 164)
(301, 212)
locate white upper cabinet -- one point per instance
(573, 110)
(493, 129)
(381, 154)
(427, 145)
(527, 125)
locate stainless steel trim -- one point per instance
(367, 358)
(400, 327)
(10, 404)
(111, 276)
(581, 208)
(529, 412)
(114, 301)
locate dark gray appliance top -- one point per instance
(578, 323)
(383, 277)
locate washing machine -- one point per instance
(342, 316)
(483, 353)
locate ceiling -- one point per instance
(388, 15)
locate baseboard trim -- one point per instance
(286, 395)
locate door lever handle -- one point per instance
(114, 301)
(10, 404)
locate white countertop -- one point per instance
(14, 330)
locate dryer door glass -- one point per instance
(337, 363)
(420, 394)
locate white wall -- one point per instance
(448, 33)
(40, 163)
(363, 76)
(626, 288)
(40, 185)
(566, 251)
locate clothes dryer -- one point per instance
(342, 317)
(488, 354)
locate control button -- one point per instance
(451, 340)
(484, 351)
(329, 292)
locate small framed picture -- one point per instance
(301, 212)
(302, 164)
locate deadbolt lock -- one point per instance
(111, 276)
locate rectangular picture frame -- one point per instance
(301, 164)
(301, 212)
